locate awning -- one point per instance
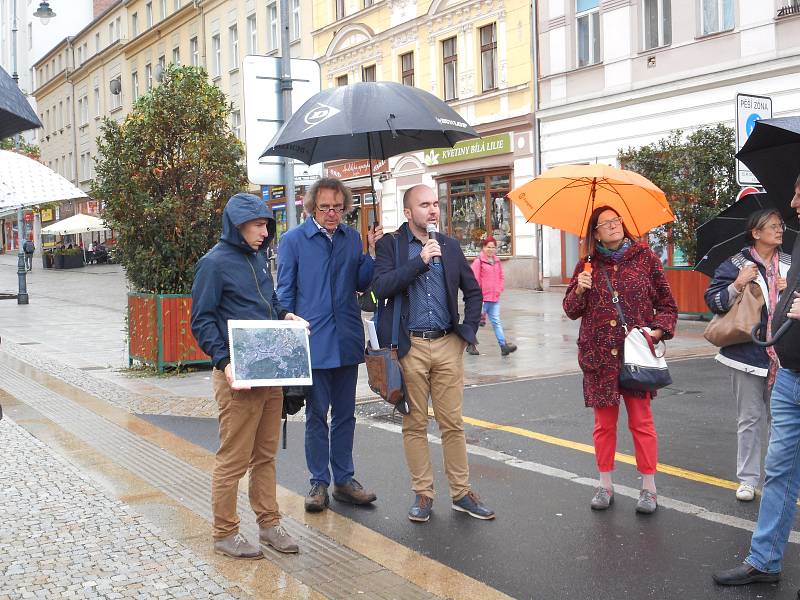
(79, 223)
(27, 182)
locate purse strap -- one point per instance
(398, 299)
(615, 301)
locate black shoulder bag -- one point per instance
(294, 396)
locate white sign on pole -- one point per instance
(262, 114)
(749, 109)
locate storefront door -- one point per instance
(570, 248)
(363, 214)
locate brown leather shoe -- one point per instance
(353, 493)
(317, 499)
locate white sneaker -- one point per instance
(746, 492)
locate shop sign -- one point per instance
(356, 168)
(28, 217)
(277, 192)
(46, 215)
(491, 145)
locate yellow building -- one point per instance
(102, 70)
(476, 55)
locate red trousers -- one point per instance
(643, 430)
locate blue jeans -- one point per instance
(782, 476)
(492, 310)
(334, 390)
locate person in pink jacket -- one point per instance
(489, 273)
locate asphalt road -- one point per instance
(546, 542)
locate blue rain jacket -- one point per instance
(232, 281)
(318, 280)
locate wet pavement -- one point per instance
(546, 542)
(77, 318)
(143, 446)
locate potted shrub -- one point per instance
(697, 174)
(164, 175)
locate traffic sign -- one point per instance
(262, 113)
(746, 191)
(749, 109)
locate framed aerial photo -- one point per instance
(269, 353)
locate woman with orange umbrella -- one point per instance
(625, 271)
(610, 209)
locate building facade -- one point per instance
(475, 55)
(616, 74)
(120, 55)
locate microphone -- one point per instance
(432, 234)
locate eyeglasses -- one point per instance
(776, 227)
(610, 223)
(337, 210)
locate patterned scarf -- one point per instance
(615, 255)
(773, 272)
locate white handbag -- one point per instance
(643, 366)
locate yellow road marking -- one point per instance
(623, 458)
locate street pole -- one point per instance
(286, 94)
(22, 292)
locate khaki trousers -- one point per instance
(435, 369)
(249, 431)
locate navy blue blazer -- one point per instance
(389, 281)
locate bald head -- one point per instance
(420, 207)
(412, 194)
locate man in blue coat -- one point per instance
(232, 281)
(321, 267)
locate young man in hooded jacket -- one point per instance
(232, 281)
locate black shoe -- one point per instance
(317, 499)
(507, 349)
(420, 511)
(744, 574)
(471, 349)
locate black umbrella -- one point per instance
(724, 235)
(372, 120)
(772, 153)
(16, 114)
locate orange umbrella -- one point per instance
(565, 196)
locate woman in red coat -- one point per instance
(636, 276)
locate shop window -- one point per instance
(475, 206)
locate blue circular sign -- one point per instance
(751, 123)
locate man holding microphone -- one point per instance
(432, 268)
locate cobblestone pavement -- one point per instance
(62, 537)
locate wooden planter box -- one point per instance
(159, 331)
(688, 287)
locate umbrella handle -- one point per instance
(756, 334)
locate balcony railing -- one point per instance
(790, 9)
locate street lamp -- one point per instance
(44, 12)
